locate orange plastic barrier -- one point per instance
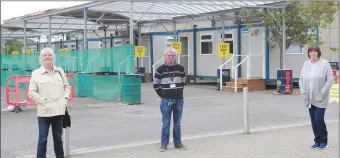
(288, 90)
(336, 77)
(70, 76)
(16, 90)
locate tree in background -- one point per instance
(14, 45)
(302, 19)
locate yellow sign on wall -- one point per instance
(28, 51)
(63, 50)
(334, 94)
(140, 51)
(177, 46)
(223, 50)
(15, 52)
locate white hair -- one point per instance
(44, 51)
(169, 50)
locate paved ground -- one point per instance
(101, 125)
(291, 142)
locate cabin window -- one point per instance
(206, 44)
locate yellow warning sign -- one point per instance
(15, 52)
(140, 51)
(28, 51)
(177, 46)
(63, 50)
(223, 50)
(334, 94)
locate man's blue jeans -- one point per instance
(167, 107)
(57, 130)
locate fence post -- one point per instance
(66, 142)
(246, 110)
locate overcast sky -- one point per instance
(19, 8)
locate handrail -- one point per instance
(241, 62)
(226, 61)
(122, 63)
(68, 61)
(221, 66)
(153, 66)
(90, 62)
(236, 72)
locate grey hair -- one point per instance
(44, 51)
(170, 49)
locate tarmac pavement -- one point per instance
(291, 142)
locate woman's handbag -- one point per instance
(66, 120)
(66, 117)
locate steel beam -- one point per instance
(64, 23)
(69, 9)
(151, 13)
(85, 30)
(97, 20)
(49, 31)
(25, 37)
(131, 23)
(75, 18)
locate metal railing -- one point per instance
(88, 64)
(125, 60)
(236, 72)
(65, 65)
(221, 66)
(127, 67)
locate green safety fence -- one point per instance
(131, 89)
(101, 87)
(123, 88)
(9, 73)
(114, 59)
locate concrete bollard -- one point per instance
(66, 142)
(246, 110)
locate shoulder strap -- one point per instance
(61, 76)
(63, 85)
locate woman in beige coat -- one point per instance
(50, 89)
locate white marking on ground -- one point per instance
(198, 97)
(190, 137)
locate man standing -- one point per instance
(168, 82)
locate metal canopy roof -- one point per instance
(156, 9)
(116, 13)
(8, 34)
(59, 24)
(62, 23)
